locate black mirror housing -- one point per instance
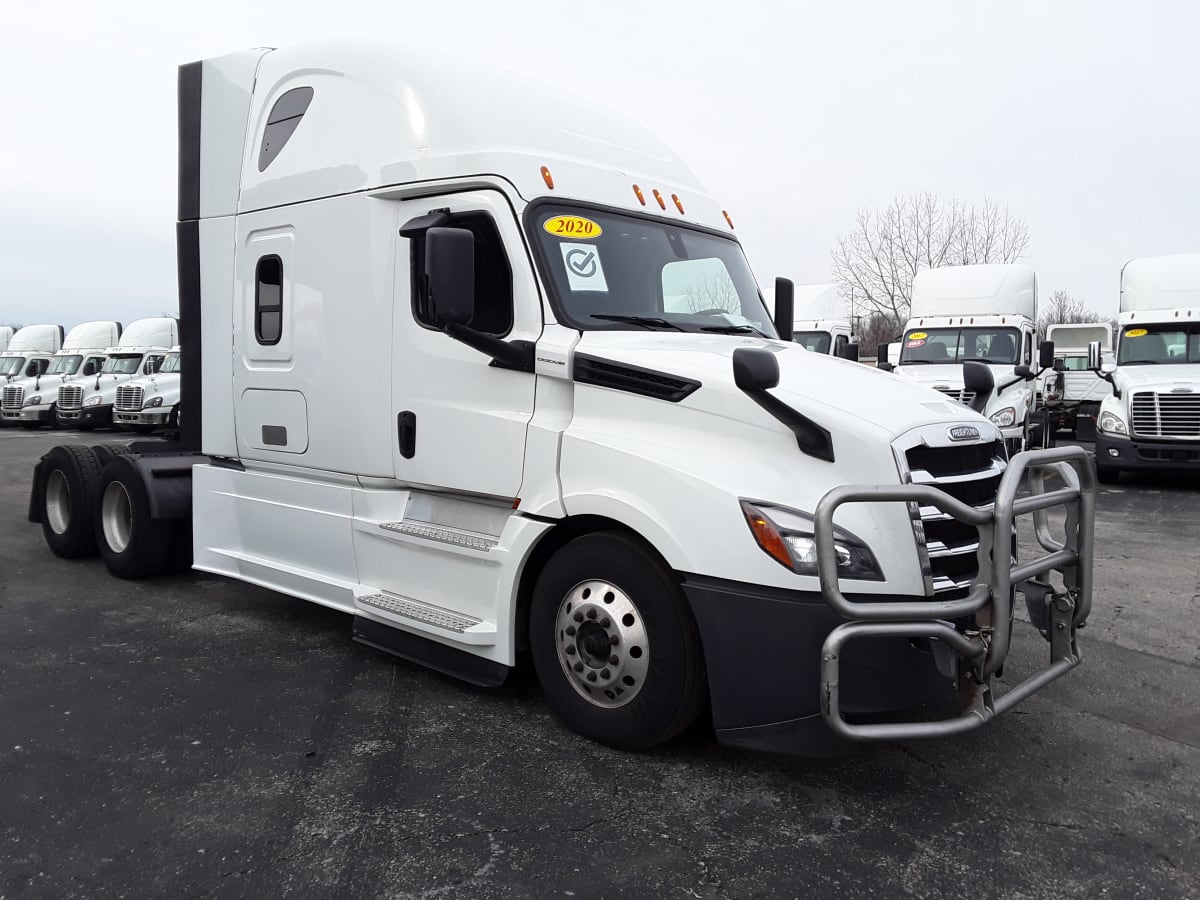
(977, 378)
(785, 307)
(1046, 354)
(1024, 372)
(450, 274)
(755, 369)
(1060, 364)
(850, 352)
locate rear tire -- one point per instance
(69, 479)
(605, 588)
(131, 544)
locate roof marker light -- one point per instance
(727, 219)
(659, 198)
(638, 193)
(678, 203)
(547, 177)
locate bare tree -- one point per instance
(714, 292)
(886, 249)
(875, 329)
(1061, 308)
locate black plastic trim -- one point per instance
(634, 379)
(190, 90)
(439, 657)
(191, 352)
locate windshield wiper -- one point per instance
(650, 322)
(733, 329)
(919, 362)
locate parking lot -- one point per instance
(189, 736)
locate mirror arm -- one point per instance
(516, 355)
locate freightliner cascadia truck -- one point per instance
(32, 402)
(665, 506)
(151, 402)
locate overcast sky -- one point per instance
(1080, 117)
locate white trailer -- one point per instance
(31, 402)
(1151, 420)
(971, 336)
(1071, 394)
(549, 454)
(140, 351)
(29, 352)
(145, 404)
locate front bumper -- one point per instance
(158, 416)
(93, 416)
(28, 414)
(1138, 454)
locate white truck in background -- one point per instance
(655, 500)
(1072, 392)
(29, 352)
(822, 324)
(31, 402)
(151, 402)
(1151, 420)
(88, 403)
(970, 335)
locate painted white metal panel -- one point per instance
(1161, 282)
(224, 104)
(36, 338)
(92, 336)
(272, 420)
(1069, 336)
(975, 291)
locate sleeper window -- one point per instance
(268, 301)
(493, 277)
(281, 123)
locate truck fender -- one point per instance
(636, 515)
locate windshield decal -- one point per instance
(572, 227)
(918, 336)
(1136, 332)
(584, 272)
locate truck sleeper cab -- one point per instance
(145, 404)
(31, 402)
(582, 437)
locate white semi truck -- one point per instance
(31, 402)
(971, 335)
(6, 334)
(1151, 420)
(29, 352)
(87, 404)
(821, 323)
(669, 509)
(1071, 393)
(151, 402)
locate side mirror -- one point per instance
(882, 358)
(450, 274)
(1046, 355)
(1060, 364)
(785, 307)
(1024, 372)
(850, 352)
(755, 369)
(1094, 356)
(977, 378)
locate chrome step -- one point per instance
(442, 534)
(425, 613)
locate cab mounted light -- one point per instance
(659, 198)
(547, 177)
(678, 204)
(727, 219)
(637, 191)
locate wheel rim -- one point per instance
(58, 502)
(602, 643)
(116, 516)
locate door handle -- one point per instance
(406, 433)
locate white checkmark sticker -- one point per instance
(584, 272)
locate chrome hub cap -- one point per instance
(58, 502)
(602, 645)
(116, 516)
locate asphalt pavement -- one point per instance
(189, 736)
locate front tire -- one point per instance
(131, 544)
(69, 478)
(646, 683)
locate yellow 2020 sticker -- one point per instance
(917, 336)
(574, 227)
(1136, 332)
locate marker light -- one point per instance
(659, 198)
(641, 197)
(727, 219)
(548, 178)
(766, 534)
(678, 203)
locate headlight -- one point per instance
(152, 403)
(1110, 422)
(1005, 417)
(93, 400)
(790, 543)
(34, 400)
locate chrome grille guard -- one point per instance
(981, 648)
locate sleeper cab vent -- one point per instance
(634, 379)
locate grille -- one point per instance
(13, 397)
(70, 396)
(1166, 415)
(129, 399)
(970, 473)
(963, 397)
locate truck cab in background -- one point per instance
(1151, 420)
(151, 402)
(31, 402)
(971, 336)
(1072, 392)
(6, 333)
(821, 323)
(88, 403)
(30, 351)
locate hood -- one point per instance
(1159, 378)
(838, 394)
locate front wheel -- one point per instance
(614, 645)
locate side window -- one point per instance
(268, 301)
(493, 277)
(1028, 357)
(152, 364)
(839, 344)
(285, 115)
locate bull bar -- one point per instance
(981, 649)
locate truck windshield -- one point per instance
(956, 345)
(121, 365)
(612, 271)
(171, 363)
(65, 365)
(11, 365)
(1147, 345)
(816, 341)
